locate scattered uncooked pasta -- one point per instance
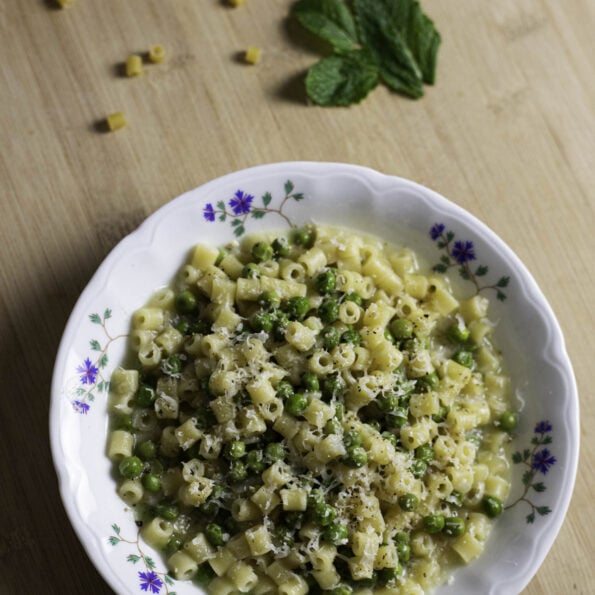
(134, 65)
(116, 121)
(156, 54)
(253, 55)
(312, 413)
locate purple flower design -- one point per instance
(543, 427)
(543, 460)
(150, 582)
(209, 212)
(463, 251)
(88, 372)
(436, 230)
(241, 203)
(81, 407)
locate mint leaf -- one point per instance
(379, 32)
(342, 80)
(330, 20)
(420, 34)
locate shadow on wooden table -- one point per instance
(39, 551)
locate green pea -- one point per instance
(458, 333)
(204, 574)
(123, 422)
(508, 421)
(262, 322)
(324, 514)
(326, 281)
(237, 471)
(145, 396)
(284, 390)
(336, 533)
(280, 325)
(296, 404)
(250, 271)
(283, 536)
(392, 438)
(464, 358)
(401, 329)
(403, 551)
(168, 512)
(440, 416)
(397, 418)
(186, 302)
(330, 337)
(274, 452)
(455, 498)
(280, 247)
(172, 365)
(418, 468)
(408, 502)
(389, 403)
(333, 386)
(255, 461)
(262, 251)
(454, 526)
(315, 498)
(173, 545)
(151, 482)
(386, 575)
(304, 236)
(147, 450)
(425, 453)
(354, 297)
(434, 523)
(199, 327)
(269, 300)
(402, 537)
(130, 467)
(352, 438)
(333, 426)
(351, 336)
(429, 381)
(214, 534)
(356, 456)
(310, 382)
(297, 307)
(492, 506)
(235, 449)
(328, 311)
(341, 590)
(183, 326)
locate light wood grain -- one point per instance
(508, 132)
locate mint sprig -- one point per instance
(391, 41)
(342, 79)
(330, 20)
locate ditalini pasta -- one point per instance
(312, 413)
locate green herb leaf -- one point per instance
(379, 32)
(342, 80)
(420, 35)
(330, 20)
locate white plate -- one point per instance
(277, 196)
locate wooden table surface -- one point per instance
(508, 132)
